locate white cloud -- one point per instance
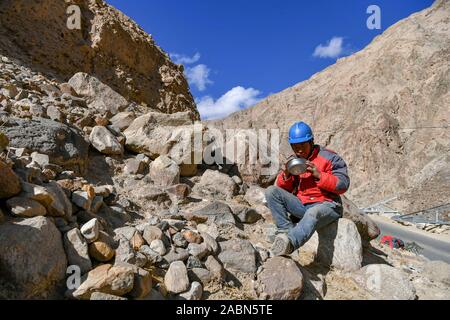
(184, 59)
(234, 100)
(333, 49)
(199, 76)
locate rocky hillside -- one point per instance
(109, 46)
(384, 109)
(98, 198)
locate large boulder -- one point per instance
(156, 134)
(9, 183)
(32, 259)
(281, 279)
(64, 145)
(367, 228)
(216, 185)
(105, 142)
(385, 282)
(238, 255)
(338, 245)
(99, 95)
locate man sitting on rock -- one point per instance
(312, 197)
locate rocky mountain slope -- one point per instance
(99, 201)
(384, 109)
(109, 46)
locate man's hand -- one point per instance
(286, 173)
(311, 167)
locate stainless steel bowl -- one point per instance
(296, 166)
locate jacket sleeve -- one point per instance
(287, 184)
(336, 180)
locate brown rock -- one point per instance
(115, 280)
(101, 251)
(137, 241)
(192, 237)
(181, 190)
(281, 279)
(9, 183)
(101, 121)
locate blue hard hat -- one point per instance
(300, 132)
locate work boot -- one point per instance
(282, 246)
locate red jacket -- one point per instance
(333, 181)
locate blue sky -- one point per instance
(238, 52)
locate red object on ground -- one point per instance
(392, 242)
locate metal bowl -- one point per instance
(296, 166)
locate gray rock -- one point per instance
(216, 212)
(176, 279)
(152, 256)
(152, 233)
(27, 208)
(158, 246)
(215, 268)
(90, 230)
(201, 275)
(82, 200)
(367, 228)
(255, 196)
(340, 246)
(193, 262)
(246, 214)
(134, 166)
(41, 159)
(385, 282)
(127, 232)
(210, 229)
(281, 279)
(77, 250)
(238, 255)
(64, 145)
(216, 185)
(50, 196)
(164, 171)
(55, 114)
(179, 240)
(176, 254)
(32, 265)
(198, 250)
(99, 95)
(156, 134)
(126, 254)
(194, 293)
(105, 142)
(210, 243)
(97, 204)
